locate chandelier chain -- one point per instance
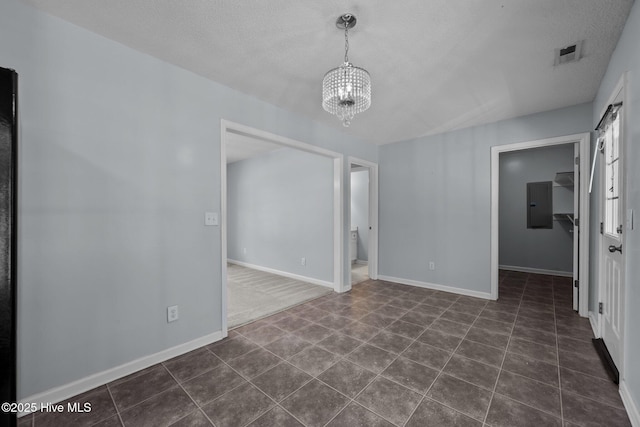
(346, 40)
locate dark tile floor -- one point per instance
(383, 354)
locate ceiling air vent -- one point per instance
(571, 53)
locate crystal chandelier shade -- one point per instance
(346, 90)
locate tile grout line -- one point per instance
(114, 404)
(553, 304)
(453, 352)
(148, 398)
(199, 408)
(344, 358)
(555, 326)
(144, 400)
(530, 379)
(398, 355)
(378, 375)
(248, 381)
(228, 391)
(484, 421)
(504, 357)
(341, 357)
(425, 397)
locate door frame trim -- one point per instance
(373, 212)
(583, 139)
(338, 194)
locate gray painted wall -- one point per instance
(435, 200)
(360, 210)
(119, 160)
(546, 249)
(625, 58)
(280, 208)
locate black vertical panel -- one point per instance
(8, 239)
(539, 205)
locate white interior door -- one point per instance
(612, 260)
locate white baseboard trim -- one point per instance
(362, 262)
(595, 323)
(460, 291)
(58, 394)
(629, 404)
(283, 273)
(536, 270)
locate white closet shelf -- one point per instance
(564, 179)
(564, 217)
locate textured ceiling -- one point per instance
(435, 65)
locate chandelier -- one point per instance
(346, 90)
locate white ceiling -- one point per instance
(435, 65)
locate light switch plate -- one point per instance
(210, 218)
(629, 219)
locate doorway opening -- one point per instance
(363, 220)
(281, 223)
(572, 217)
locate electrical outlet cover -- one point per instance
(210, 218)
(172, 313)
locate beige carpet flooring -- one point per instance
(253, 294)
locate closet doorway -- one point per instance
(579, 222)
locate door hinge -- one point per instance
(577, 160)
(601, 227)
(600, 307)
(576, 283)
(577, 222)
